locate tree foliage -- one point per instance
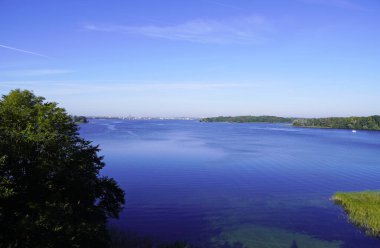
(51, 193)
(80, 119)
(364, 123)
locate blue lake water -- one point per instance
(259, 185)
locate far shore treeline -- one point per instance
(248, 118)
(360, 123)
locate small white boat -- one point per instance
(354, 131)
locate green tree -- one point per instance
(51, 193)
(362, 123)
(79, 119)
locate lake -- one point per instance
(237, 185)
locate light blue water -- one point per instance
(263, 185)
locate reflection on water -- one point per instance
(237, 185)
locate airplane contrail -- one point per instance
(23, 51)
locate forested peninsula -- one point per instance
(248, 118)
(360, 123)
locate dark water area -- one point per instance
(262, 185)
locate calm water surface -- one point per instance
(219, 184)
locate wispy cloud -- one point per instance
(34, 72)
(23, 51)
(346, 4)
(86, 87)
(219, 3)
(243, 30)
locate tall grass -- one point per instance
(363, 209)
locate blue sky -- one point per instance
(306, 58)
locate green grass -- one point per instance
(363, 209)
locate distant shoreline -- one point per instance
(142, 118)
(370, 123)
(249, 119)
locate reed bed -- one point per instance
(363, 209)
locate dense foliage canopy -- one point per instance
(51, 193)
(80, 119)
(248, 118)
(365, 123)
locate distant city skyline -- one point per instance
(291, 58)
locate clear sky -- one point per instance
(298, 58)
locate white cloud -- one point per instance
(244, 30)
(92, 87)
